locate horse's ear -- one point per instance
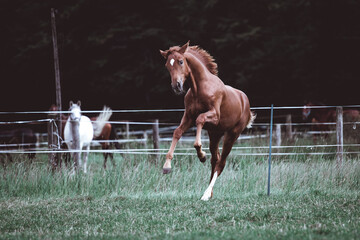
(164, 53)
(78, 103)
(71, 103)
(184, 47)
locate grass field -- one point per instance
(310, 199)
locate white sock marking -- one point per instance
(207, 193)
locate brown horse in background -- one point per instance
(23, 138)
(209, 104)
(320, 116)
(107, 133)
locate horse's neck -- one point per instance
(64, 117)
(75, 131)
(198, 73)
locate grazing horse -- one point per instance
(107, 133)
(209, 104)
(79, 131)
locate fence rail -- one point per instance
(166, 132)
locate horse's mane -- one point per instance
(202, 55)
(205, 58)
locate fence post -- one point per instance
(289, 133)
(278, 134)
(145, 136)
(156, 136)
(270, 148)
(127, 125)
(339, 136)
(52, 156)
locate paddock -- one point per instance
(311, 194)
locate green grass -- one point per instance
(311, 198)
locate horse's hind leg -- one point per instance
(106, 154)
(218, 166)
(112, 159)
(215, 157)
(105, 147)
(105, 159)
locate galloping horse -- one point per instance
(209, 103)
(107, 133)
(79, 131)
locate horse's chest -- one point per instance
(199, 107)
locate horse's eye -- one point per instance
(181, 62)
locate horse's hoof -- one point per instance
(203, 159)
(166, 170)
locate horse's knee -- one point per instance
(200, 121)
(177, 133)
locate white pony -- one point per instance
(79, 132)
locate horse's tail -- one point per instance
(113, 136)
(251, 119)
(101, 120)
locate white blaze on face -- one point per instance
(172, 62)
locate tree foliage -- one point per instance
(277, 51)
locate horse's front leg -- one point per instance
(185, 124)
(85, 157)
(211, 117)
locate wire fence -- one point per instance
(260, 132)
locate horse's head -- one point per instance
(177, 66)
(306, 111)
(53, 108)
(75, 110)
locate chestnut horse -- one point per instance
(209, 104)
(107, 133)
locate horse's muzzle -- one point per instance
(76, 119)
(178, 87)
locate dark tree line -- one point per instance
(277, 51)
